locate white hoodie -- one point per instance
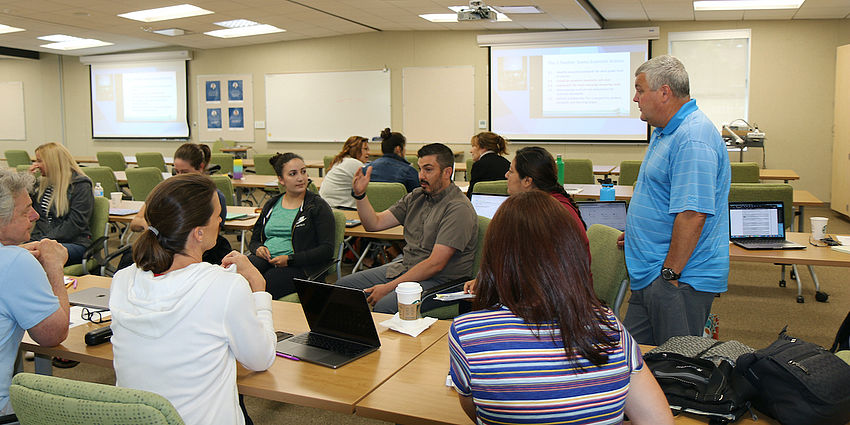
(178, 335)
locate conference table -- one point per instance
(131, 159)
(764, 174)
(288, 381)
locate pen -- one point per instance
(287, 356)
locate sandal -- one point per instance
(64, 363)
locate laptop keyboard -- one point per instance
(330, 344)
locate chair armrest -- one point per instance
(323, 271)
(94, 247)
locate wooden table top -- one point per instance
(240, 224)
(394, 233)
(288, 381)
(812, 255)
(248, 180)
(777, 174)
(591, 191)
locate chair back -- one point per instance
(105, 176)
(745, 172)
(384, 195)
(608, 265)
(99, 228)
(262, 166)
(42, 399)
(224, 184)
(496, 187)
(339, 240)
(750, 192)
(327, 159)
(113, 160)
(578, 171)
(219, 144)
(468, 175)
(15, 157)
(413, 160)
(24, 168)
(225, 161)
(142, 181)
(628, 172)
(151, 159)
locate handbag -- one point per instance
(798, 383)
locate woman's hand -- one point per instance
(246, 269)
(264, 253)
(280, 261)
(33, 168)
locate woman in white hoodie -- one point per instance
(179, 325)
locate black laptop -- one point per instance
(759, 225)
(486, 204)
(341, 325)
(609, 213)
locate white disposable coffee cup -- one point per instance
(819, 227)
(115, 199)
(409, 295)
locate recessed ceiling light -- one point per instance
(518, 9)
(236, 23)
(165, 13)
(171, 32)
(67, 42)
(452, 17)
(5, 29)
(703, 5)
(258, 29)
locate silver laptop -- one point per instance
(609, 213)
(486, 204)
(759, 225)
(341, 325)
(93, 298)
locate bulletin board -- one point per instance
(13, 125)
(439, 104)
(225, 107)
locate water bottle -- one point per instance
(560, 163)
(98, 189)
(606, 193)
(237, 168)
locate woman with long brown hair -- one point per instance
(336, 187)
(542, 347)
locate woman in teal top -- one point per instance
(294, 236)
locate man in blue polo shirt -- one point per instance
(677, 229)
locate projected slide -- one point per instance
(139, 100)
(566, 92)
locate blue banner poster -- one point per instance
(213, 117)
(213, 91)
(236, 120)
(234, 90)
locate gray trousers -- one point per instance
(389, 303)
(662, 310)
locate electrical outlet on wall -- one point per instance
(482, 124)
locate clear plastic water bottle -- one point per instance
(98, 189)
(560, 163)
(237, 168)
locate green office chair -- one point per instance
(219, 144)
(15, 157)
(105, 176)
(224, 184)
(451, 310)
(339, 240)
(262, 166)
(578, 171)
(97, 252)
(629, 172)
(608, 265)
(381, 195)
(142, 181)
(24, 168)
(413, 160)
(224, 160)
(113, 160)
(41, 399)
(468, 175)
(745, 172)
(497, 187)
(327, 159)
(151, 159)
(311, 187)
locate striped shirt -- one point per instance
(516, 377)
(45, 203)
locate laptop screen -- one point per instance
(337, 311)
(609, 213)
(756, 220)
(486, 204)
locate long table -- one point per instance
(764, 174)
(287, 381)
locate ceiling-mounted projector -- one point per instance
(477, 11)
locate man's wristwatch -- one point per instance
(668, 274)
(357, 197)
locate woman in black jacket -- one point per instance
(294, 235)
(487, 151)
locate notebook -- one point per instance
(609, 213)
(759, 225)
(341, 325)
(93, 298)
(486, 204)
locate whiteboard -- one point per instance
(439, 104)
(326, 106)
(13, 125)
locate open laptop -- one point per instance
(759, 225)
(609, 213)
(341, 325)
(93, 298)
(486, 204)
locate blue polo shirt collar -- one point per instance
(683, 112)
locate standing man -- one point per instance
(31, 280)
(677, 229)
(440, 229)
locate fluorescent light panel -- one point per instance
(5, 29)
(258, 29)
(236, 23)
(705, 5)
(171, 32)
(166, 13)
(67, 42)
(518, 9)
(452, 17)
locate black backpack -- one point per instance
(798, 383)
(842, 338)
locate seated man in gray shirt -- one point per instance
(440, 229)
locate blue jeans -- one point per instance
(75, 253)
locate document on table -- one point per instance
(77, 319)
(454, 296)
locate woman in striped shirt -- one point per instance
(541, 348)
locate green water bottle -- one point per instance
(560, 163)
